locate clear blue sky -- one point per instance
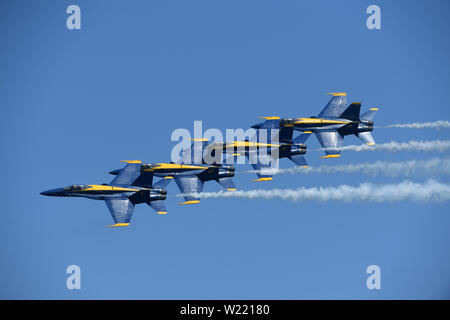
(75, 103)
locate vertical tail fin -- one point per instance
(369, 114)
(302, 138)
(352, 112)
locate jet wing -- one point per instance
(330, 141)
(189, 184)
(121, 211)
(335, 106)
(128, 174)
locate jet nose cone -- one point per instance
(53, 192)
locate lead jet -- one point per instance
(126, 190)
(333, 123)
(189, 175)
(270, 143)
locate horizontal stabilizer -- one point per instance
(366, 137)
(299, 160)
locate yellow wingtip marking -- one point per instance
(270, 118)
(119, 225)
(331, 156)
(190, 202)
(132, 161)
(337, 94)
(307, 132)
(262, 179)
(168, 177)
(370, 143)
(161, 212)
(231, 189)
(373, 109)
(236, 154)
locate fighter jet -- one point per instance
(270, 143)
(126, 190)
(190, 175)
(333, 123)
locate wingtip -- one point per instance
(119, 225)
(190, 202)
(270, 118)
(331, 156)
(370, 143)
(263, 179)
(336, 94)
(231, 189)
(161, 212)
(131, 161)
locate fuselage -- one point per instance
(208, 172)
(328, 124)
(104, 192)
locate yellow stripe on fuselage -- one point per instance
(249, 144)
(317, 121)
(96, 187)
(173, 166)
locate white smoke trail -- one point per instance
(429, 167)
(430, 191)
(421, 125)
(393, 146)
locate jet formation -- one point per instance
(133, 184)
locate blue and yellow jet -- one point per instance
(128, 188)
(333, 123)
(278, 143)
(189, 175)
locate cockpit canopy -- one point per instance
(149, 166)
(75, 187)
